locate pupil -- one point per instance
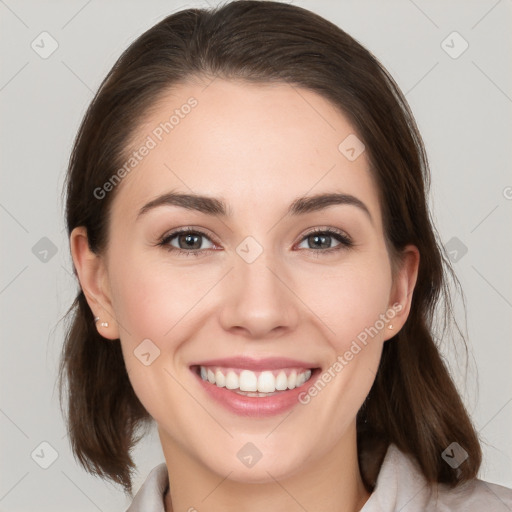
(322, 238)
(189, 240)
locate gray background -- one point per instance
(463, 107)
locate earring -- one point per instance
(103, 324)
(390, 326)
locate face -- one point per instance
(255, 294)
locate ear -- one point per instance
(403, 287)
(93, 277)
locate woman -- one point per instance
(246, 206)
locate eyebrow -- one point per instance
(214, 206)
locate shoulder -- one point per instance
(402, 486)
(476, 495)
(150, 497)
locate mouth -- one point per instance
(254, 383)
(255, 388)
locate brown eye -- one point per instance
(186, 241)
(322, 240)
(189, 241)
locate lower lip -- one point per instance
(256, 406)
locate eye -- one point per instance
(319, 240)
(189, 241)
(185, 241)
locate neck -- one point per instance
(333, 482)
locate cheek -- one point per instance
(143, 305)
(349, 300)
(349, 373)
(156, 307)
(150, 299)
(352, 306)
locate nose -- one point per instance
(259, 301)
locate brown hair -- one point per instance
(413, 402)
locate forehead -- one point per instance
(254, 145)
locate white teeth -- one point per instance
(251, 384)
(282, 381)
(220, 380)
(248, 381)
(266, 382)
(292, 380)
(232, 380)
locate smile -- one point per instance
(254, 388)
(251, 383)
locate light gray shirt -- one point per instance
(400, 487)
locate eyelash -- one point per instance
(345, 241)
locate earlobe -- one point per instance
(92, 275)
(403, 288)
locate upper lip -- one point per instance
(249, 363)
